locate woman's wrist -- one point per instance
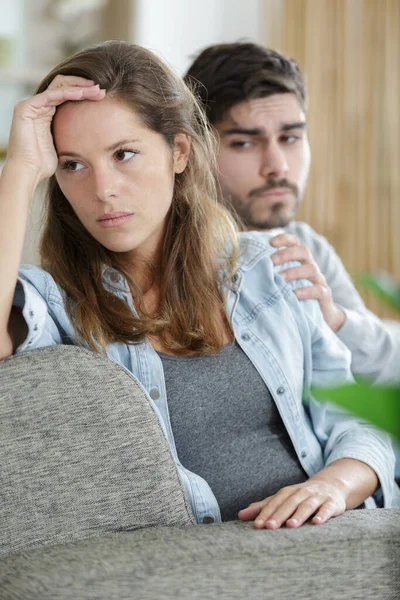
(339, 482)
(21, 176)
(354, 479)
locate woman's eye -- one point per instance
(71, 165)
(124, 155)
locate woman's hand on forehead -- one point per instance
(71, 81)
(31, 143)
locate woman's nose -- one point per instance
(105, 184)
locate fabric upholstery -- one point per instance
(355, 557)
(81, 451)
(91, 506)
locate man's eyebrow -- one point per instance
(243, 131)
(260, 131)
(118, 144)
(290, 126)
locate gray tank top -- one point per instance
(227, 428)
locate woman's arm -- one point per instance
(342, 485)
(31, 158)
(16, 190)
(356, 456)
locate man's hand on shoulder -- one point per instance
(308, 269)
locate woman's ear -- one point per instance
(181, 152)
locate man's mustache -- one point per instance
(273, 184)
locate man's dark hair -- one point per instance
(225, 74)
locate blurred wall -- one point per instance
(349, 51)
(179, 29)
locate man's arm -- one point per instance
(375, 346)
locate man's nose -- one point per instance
(274, 163)
(105, 184)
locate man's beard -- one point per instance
(278, 216)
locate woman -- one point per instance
(140, 261)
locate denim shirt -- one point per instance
(286, 340)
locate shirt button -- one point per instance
(154, 394)
(207, 520)
(235, 277)
(303, 454)
(280, 391)
(114, 277)
(31, 313)
(245, 337)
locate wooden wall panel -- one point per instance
(349, 51)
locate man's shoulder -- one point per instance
(309, 237)
(302, 230)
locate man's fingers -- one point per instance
(284, 239)
(316, 291)
(300, 253)
(306, 271)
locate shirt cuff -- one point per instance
(352, 333)
(34, 311)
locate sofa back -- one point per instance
(81, 451)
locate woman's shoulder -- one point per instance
(34, 273)
(253, 247)
(39, 279)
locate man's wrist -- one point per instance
(338, 319)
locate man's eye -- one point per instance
(241, 144)
(290, 139)
(124, 155)
(71, 165)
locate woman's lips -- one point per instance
(114, 219)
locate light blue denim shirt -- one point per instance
(287, 341)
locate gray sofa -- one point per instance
(91, 506)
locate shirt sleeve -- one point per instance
(341, 434)
(374, 344)
(33, 296)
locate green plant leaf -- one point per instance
(378, 405)
(382, 286)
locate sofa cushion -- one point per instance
(81, 451)
(355, 556)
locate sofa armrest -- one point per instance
(355, 556)
(82, 452)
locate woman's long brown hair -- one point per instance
(198, 232)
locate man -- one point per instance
(255, 99)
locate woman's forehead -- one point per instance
(96, 121)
